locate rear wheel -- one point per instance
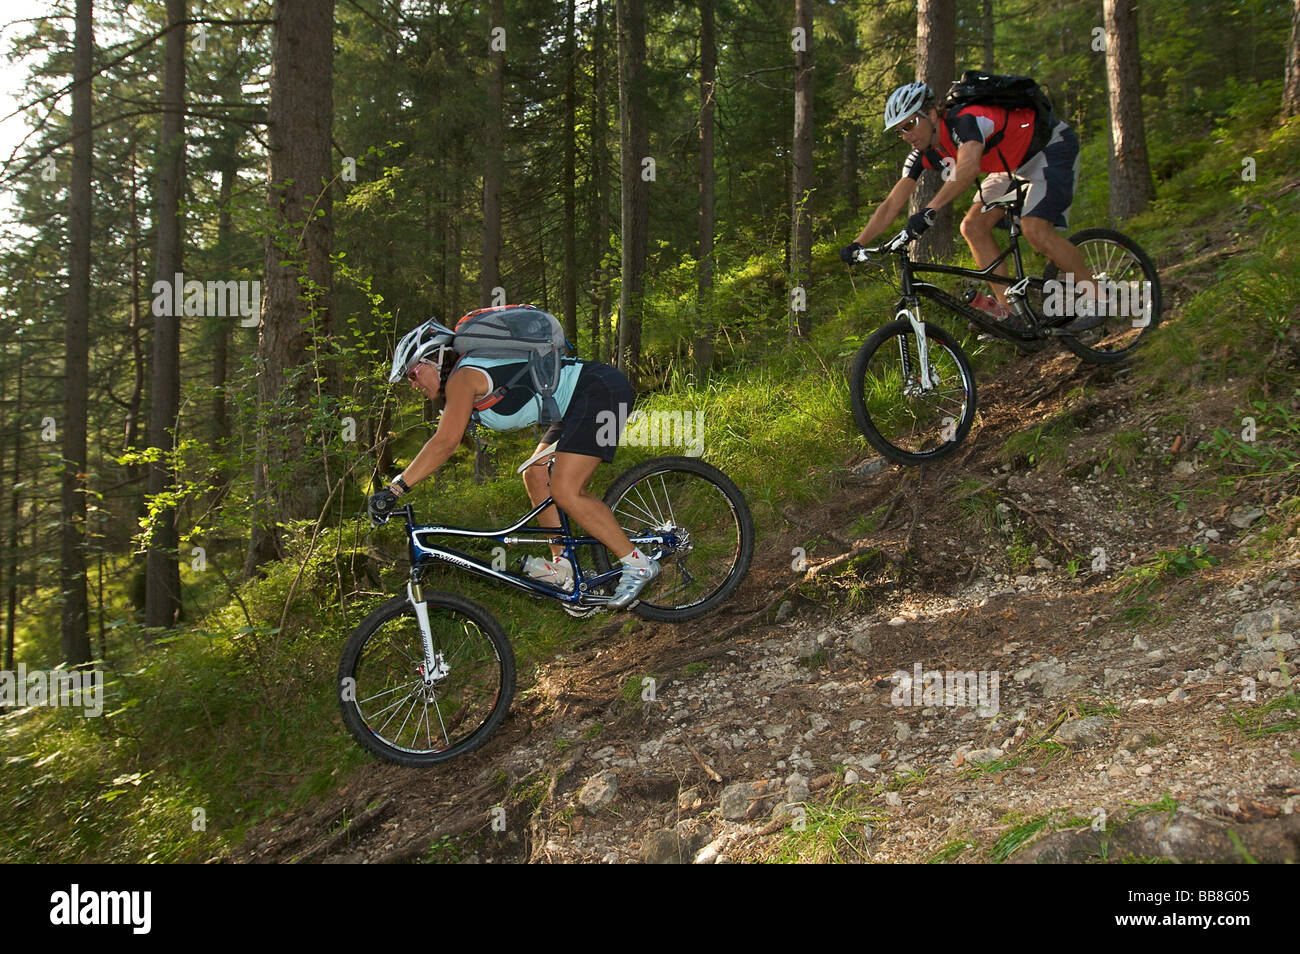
(907, 423)
(402, 713)
(1132, 296)
(708, 518)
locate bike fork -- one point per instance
(432, 664)
(922, 346)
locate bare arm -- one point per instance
(884, 216)
(963, 176)
(461, 391)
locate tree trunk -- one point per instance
(570, 290)
(1291, 89)
(704, 317)
(600, 180)
(1130, 173)
(72, 550)
(11, 559)
(220, 330)
(493, 161)
(634, 149)
(295, 312)
(849, 170)
(986, 27)
(936, 54)
(801, 177)
(131, 430)
(162, 599)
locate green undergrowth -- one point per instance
(1223, 236)
(203, 731)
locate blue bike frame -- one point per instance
(423, 553)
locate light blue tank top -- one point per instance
(528, 414)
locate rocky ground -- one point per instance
(1123, 606)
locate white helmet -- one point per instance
(906, 101)
(429, 338)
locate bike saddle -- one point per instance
(1009, 199)
(539, 457)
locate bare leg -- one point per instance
(569, 479)
(977, 229)
(1043, 236)
(539, 488)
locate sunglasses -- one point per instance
(911, 124)
(413, 375)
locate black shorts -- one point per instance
(600, 406)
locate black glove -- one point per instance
(380, 505)
(848, 254)
(917, 224)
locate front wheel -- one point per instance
(707, 516)
(905, 421)
(406, 712)
(1131, 294)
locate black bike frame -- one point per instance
(424, 554)
(912, 289)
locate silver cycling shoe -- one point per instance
(630, 585)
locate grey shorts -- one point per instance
(1052, 175)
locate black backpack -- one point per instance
(1009, 92)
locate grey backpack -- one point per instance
(521, 333)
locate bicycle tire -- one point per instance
(1113, 256)
(384, 657)
(916, 428)
(705, 506)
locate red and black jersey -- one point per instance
(1009, 130)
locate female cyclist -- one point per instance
(425, 358)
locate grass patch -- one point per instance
(1021, 552)
(814, 662)
(1101, 707)
(1141, 580)
(443, 851)
(906, 779)
(1166, 804)
(1037, 445)
(635, 686)
(1122, 452)
(831, 834)
(950, 850)
(977, 507)
(1021, 833)
(1262, 443)
(1278, 715)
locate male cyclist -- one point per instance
(956, 143)
(425, 358)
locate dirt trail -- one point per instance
(1115, 724)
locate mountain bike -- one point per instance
(911, 384)
(429, 675)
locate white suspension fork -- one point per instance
(922, 345)
(416, 596)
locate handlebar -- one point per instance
(407, 511)
(896, 244)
